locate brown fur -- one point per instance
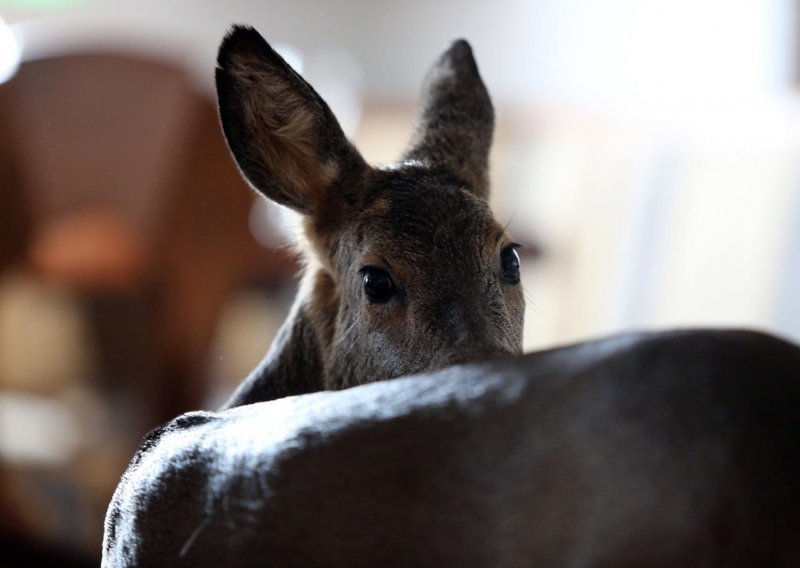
(285, 129)
(425, 221)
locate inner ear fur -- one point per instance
(455, 122)
(283, 136)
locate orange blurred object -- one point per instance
(91, 251)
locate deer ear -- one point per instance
(455, 121)
(283, 136)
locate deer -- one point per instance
(394, 420)
(387, 290)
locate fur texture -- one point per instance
(667, 449)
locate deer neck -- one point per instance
(295, 362)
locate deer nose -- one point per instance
(471, 353)
(469, 338)
(458, 325)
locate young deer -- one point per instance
(659, 449)
(406, 268)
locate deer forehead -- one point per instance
(424, 229)
(416, 223)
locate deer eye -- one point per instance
(378, 285)
(509, 264)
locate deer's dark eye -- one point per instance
(509, 264)
(378, 285)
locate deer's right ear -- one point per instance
(283, 136)
(456, 119)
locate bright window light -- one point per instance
(10, 52)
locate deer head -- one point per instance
(406, 269)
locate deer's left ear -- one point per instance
(455, 122)
(283, 136)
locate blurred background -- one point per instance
(650, 152)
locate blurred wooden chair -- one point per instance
(117, 184)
